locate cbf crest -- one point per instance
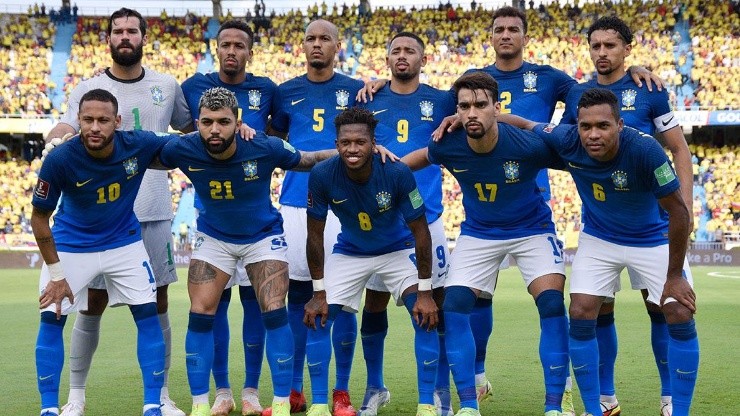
(511, 171)
(342, 99)
(384, 201)
(131, 165)
(157, 95)
(530, 82)
(250, 170)
(628, 99)
(427, 110)
(255, 97)
(620, 180)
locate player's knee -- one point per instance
(550, 304)
(376, 301)
(676, 313)
(582, 329)
(459, 299)
(652, 308)
(275, 319)
(299, 292)
(97, 300)
(143, 311)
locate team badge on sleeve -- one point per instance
(41, 190)
(415, 198)
(131, 165)
(664, 174)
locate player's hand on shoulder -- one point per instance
(640, 73)
(316, 307)
(679, 289)
(425, 311)
(54, 293)
(53, 143)
(247, 133)
(386, 154)
(448, 125)
(366, 93)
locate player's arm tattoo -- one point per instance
(315, 247)
(201, 273)
(270, 280)
(42, 234)
(420, 229)
(309, 159)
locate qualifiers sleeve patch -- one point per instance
(664, 174)
(288, 146)
(415, 198)
(42, 189)
(309, 200)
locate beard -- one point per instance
(478, 134)
(319, 64)
(128, 58)
(405, 76)
(216, 149)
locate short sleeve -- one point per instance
(280, 119)
(318, 202)
(410, 200)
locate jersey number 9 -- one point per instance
(403, 131)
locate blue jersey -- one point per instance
(234, 192)
(97, 208)
(406, 121)
(373, 214)
(620, 196)
(500, 195)
(255, 96)
(306, 110)
(641, 109)
(532, 91)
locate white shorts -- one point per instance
(440, 259)
(294, 224)
(225, 256)
(598, 265)
(346, 276)
(157, 237)
(239, 278)
(475, 262)
(125, 270)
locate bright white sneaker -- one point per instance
(666, 408)
(483, 391)
(73, 408)
(169, 408)
(224, 403)
(374, 399)
(251, 402)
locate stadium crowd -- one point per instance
(458, 39)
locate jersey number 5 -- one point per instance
(318, 117)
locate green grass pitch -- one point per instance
(114, 386)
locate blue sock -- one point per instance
(50, 358)
(221, 339)
(318, 355)
(683, 361)
(299, 293)
(553, 346)
(606, 336)
(659, 340)
(149, 350)
(280, 353)
(481, 323)
(253, 337)
(443, 369)
(426, 348)
(199, 352)
(374, 330)
(344, 338)
(458, 304)
(584, 356)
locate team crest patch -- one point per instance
(250, 170)
(628, 99)
(41, 190)
(620, 180)
(511, 171)
(549, 128)
(255, 96)
(342, 99)
(384, 201)
(530, 82)
(157, 95)
(427, 110)
(131, 165)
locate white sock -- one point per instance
(85, 337)
(164, 322)
(480, 379)
(53, 410)
(200, 399)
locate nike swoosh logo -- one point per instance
(556, 367)
(131, 176)
(574, 166)
(294, 102)
(667, 122)
(284, 360)
(337, 202)
(679, 371)
(580, 367)
(459, 170)
(558, 261)
(191, 354)
(348, 343)
(313, 364)
(375, 113)
(42, 378)
(253, 345)
(158, 373)
(664, 362)
(430, 362)
(80, 184)
(441, 274)
(192, 169)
